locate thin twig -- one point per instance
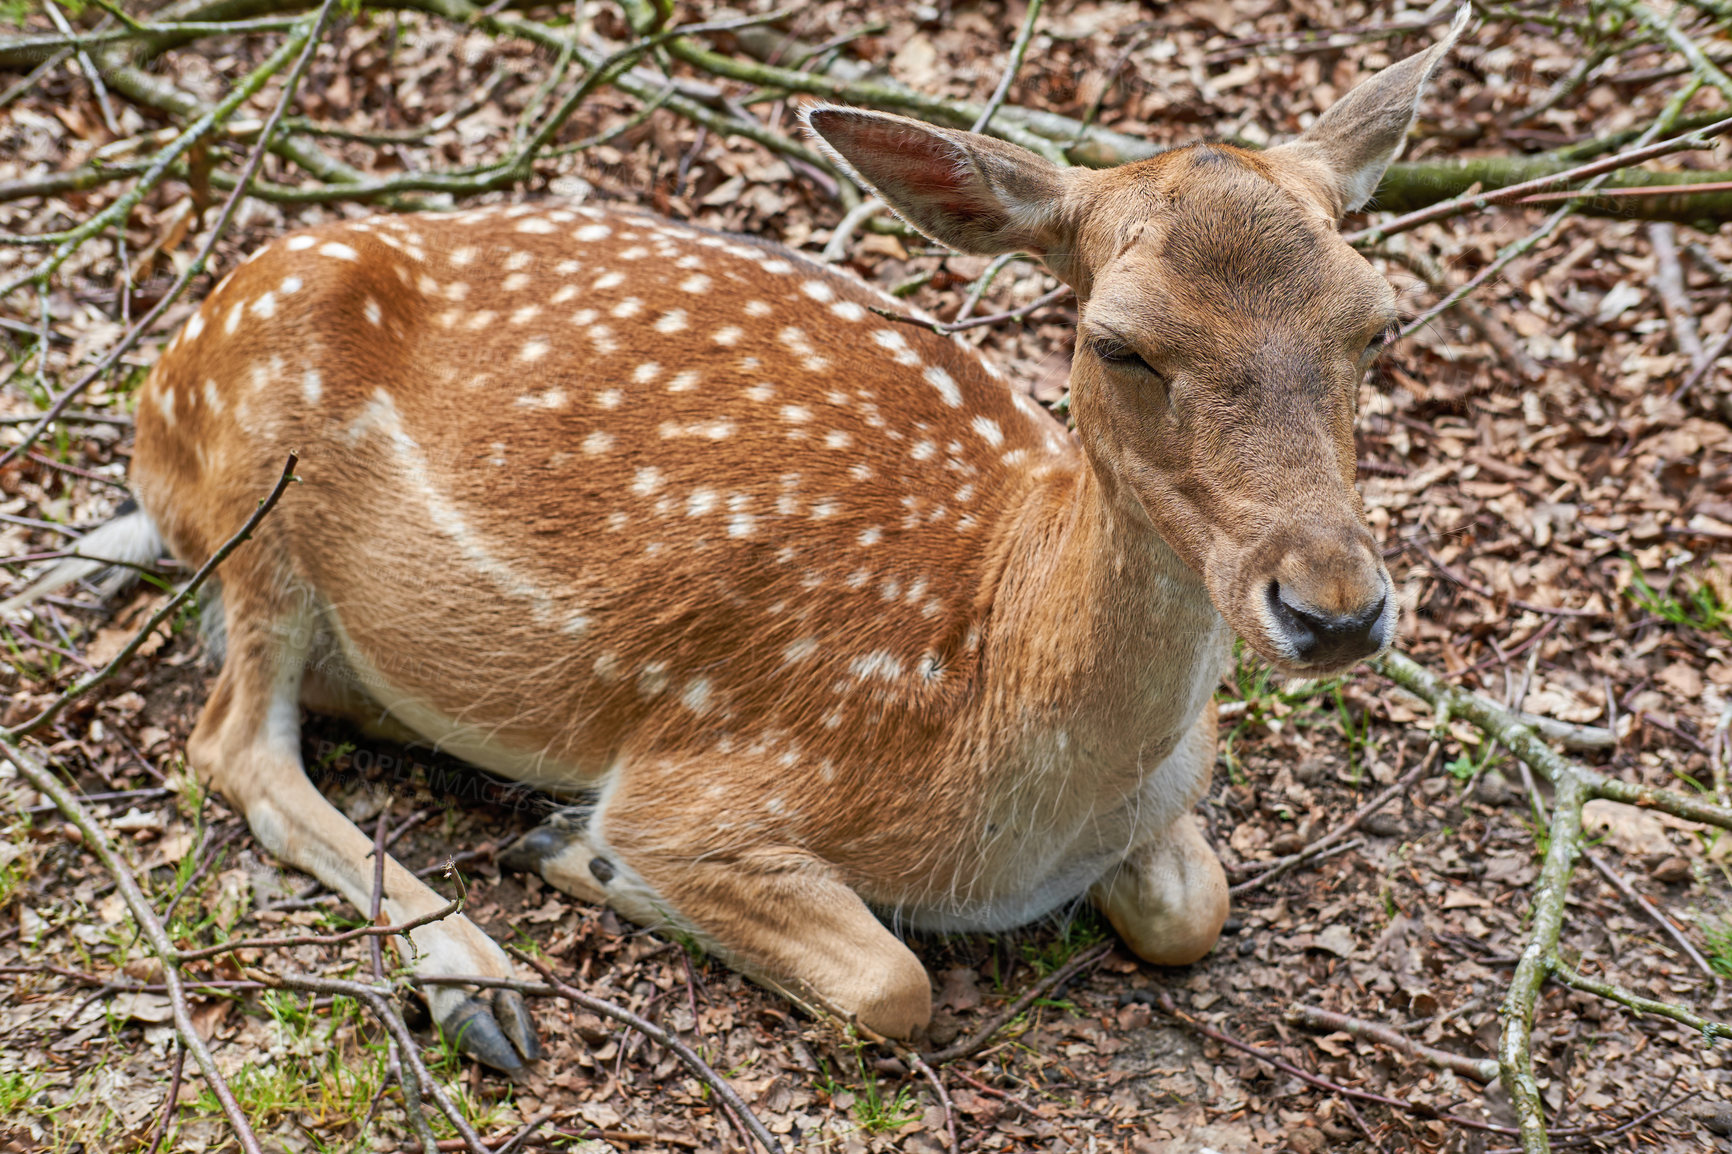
(85, 685)
(307, 43)
(1481, 1069)
(1040, 989)
(679, 1049)
(1165, 1002)
(1475, 201)
(168, 1106)
(375, 932)
(1323, 843)
(96, 839)
(1623, 886)
(1011, 67)
(937, 1085)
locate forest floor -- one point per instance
(1538, 492)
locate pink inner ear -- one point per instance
(925, 165)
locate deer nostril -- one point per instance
(1322, 636)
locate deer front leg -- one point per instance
(1168, 900)
(1168, 897)
(775, 913)
(247, 746)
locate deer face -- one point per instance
(1223, 332)
(1218, 359)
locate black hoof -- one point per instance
(547, 840)
(512, 1014)
(478, 1034)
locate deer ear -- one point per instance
(1353, 143)
(971, 192)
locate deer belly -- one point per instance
(487, 738)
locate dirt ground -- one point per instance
(1520, 456)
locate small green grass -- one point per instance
(1699, 608)
(1077, 933)
(875, 1111)
(17, 1088)
(1307, 704)
(1719, 936)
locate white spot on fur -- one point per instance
(818, 291)
(597, 443)
(591, 232)
(301, 243)
(265, 306)
(646, 372)
(375, 314)
(533, 350)
(525, 314)
(848, 311)
(312, 386)
(700, 502)
(673, 321)
(837, 439)
(728, 336)
(684, 382)
(755, 308)
(648, 481)
(338, 251)
(629, 307)
(608, 280)
(697, 695)
(609, 398)
(871, 535)
(696, 283)
(946, 386)
(896, 344)
(795, 340)
(881, 664)
(796, 414)
(988, 430)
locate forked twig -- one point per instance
(85, 685)
(1322, 844)
(154, 934)
(556, 987)
(308, 44)
(1040, 989)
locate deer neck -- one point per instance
(1109, 638)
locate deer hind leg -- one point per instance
(247, 746)
(1168, 897)
(777, 914)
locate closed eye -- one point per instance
(1382, 340)
(1122, 356)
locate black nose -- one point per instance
(1328, 639)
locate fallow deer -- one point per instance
(822, 622)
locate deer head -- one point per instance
(1223, 330)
